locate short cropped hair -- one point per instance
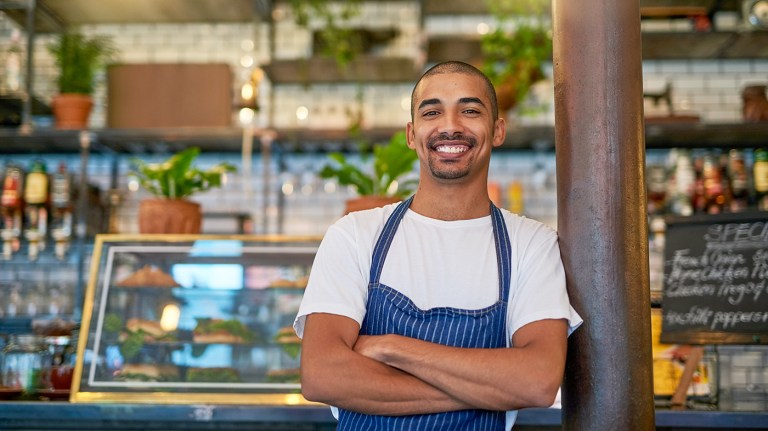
(458, 67)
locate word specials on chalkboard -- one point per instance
(716, 280)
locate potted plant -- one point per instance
(515, 51)
(172, 182)
(78, 58)
(380, 184)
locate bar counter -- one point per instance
(62, 416)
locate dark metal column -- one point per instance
(602, 213)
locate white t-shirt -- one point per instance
(439, 263)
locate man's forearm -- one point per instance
(332, 373)
(493, 379)
(366, 386)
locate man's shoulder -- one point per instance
(363, 224)
(521, 225)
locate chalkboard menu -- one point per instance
(716, 280)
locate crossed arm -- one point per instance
(396, 375)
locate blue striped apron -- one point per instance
(391, 312)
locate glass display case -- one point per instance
(192, 318)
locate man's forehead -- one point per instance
(451, 87)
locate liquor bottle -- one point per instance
(61, 209)
(738, 180)
(35, 208)
(681, 199)
(714, 196)
(11, 207)
(699, 200)
(13, 63)
(760, 175)
(656, 177)
(515, 200)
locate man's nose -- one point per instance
(451, 123)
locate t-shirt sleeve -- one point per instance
(337, 284)
(538, 282)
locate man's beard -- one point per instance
(449, 170)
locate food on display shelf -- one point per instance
(148, 373)
(286, 335)
(150, 330)
(299, 283)
(230, 331)
(288, 375)
(148, 276)
(213, 375)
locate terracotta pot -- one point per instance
(71, 111)
(368, 202)
(169, 216)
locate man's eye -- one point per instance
(429, 113)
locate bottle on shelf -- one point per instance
(699, 198)
(682, 191)
(738, 180)
(712, 183)
(11, 210)
(515, 200)
(657, 179)
(12, 65)
(61, 210)
(760, 175)
(35, 208)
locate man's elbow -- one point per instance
(311, 388)
(539, 394)
(544, 396)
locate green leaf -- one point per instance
(79, 58)
(390, 162)
(176, 178)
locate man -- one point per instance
(442, 312)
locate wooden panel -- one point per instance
(169, 95)
(322, 70)
(444, 48)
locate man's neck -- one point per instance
(451, 203)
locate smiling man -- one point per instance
(442, 312)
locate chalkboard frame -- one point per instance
(705, 336)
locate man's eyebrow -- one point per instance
(426, 102)
(466, 100)
(462, 101)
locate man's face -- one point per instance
(453, 129)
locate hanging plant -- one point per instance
(340, 41)
(516, 50)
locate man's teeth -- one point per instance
(450, 149)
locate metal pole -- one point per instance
(81, 223)
(26, 103)
(602, 213)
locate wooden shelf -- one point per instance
(229, 139)
(55, 15)
(711, 45)
(131, 141)
(656, 46)
(736, 135)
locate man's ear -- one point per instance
(499, 132)
(410, 137)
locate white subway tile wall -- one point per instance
(290, 198)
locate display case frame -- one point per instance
(262, 301)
